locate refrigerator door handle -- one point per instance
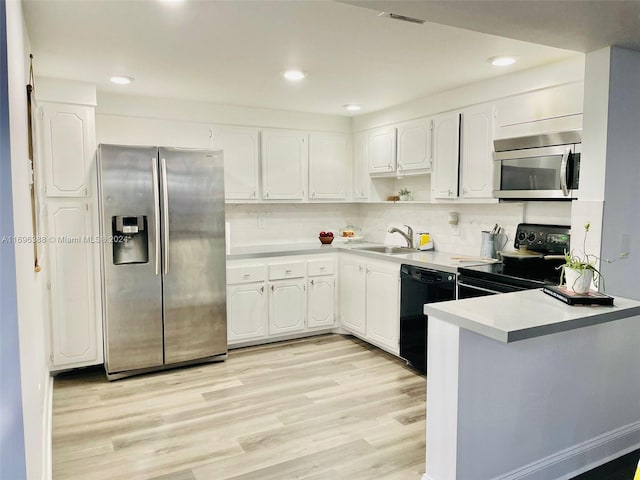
(165, 217)
(156, 213)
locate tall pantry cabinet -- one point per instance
(66, 190)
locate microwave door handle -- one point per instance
(563, 172)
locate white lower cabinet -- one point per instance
(246, 312)
(76, 334)
(272, 298)
(383, 305)
(287, 306)
(353, 291)
(370, 300)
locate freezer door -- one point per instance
(132, 283)
(194, 269)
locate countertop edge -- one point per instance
(409, 259)
(510, 336)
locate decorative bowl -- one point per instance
(326, 240)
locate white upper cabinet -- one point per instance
(382, 150)
(328, 162)
(241, 161)
(360, 174)
(284, 161)
(478, 129)
(67, 149)
(446, 144)
(414, 147)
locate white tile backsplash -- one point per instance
(255, 224)
(272, 223)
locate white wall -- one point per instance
(621, 218)
(547, 407)
(610, 171)
(31, 285)
(12, 455)
(569, 73)
(128, 119)
(279, 223)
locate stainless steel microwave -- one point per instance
(538, 167)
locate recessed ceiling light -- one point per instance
(352, 107)
(294, 75)
(502, 61)
(121, 80)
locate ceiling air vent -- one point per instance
(395, 16)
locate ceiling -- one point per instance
(233, 52)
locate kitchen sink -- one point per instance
(387, 249)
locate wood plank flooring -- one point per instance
(322, 408)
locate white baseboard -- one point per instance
(578, 459)
(47, 460)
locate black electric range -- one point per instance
(520, 273)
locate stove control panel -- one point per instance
(548, 239)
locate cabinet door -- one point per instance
(414, 146)
(352, 295)
(241, 160)
(360, 176)
(321, 301)
(68, 149)
(246, 312)
(446, 145)
(477, 148)
(382, 150)
(383, 306)
(328, 155)
(287, 306)
(284, 158)
(75, 320)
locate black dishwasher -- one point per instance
(419, 286)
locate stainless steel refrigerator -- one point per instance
(163, 257)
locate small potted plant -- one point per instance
(580, 271)
(404, 194)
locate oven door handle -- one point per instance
(462, 284)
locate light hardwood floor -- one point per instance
(328, 407)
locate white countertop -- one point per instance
(510, 317)
(428, 259)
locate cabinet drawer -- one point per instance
(245, 274)
(278, 271)
(320, 267)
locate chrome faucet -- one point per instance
(407, 236)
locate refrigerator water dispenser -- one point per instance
(130, 239)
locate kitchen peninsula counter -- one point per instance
(530, 313)
(555, 386)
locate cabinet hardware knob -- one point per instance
(311, 282)
(272, 288)
(288, 272)
(246, 275)
(262, 289)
